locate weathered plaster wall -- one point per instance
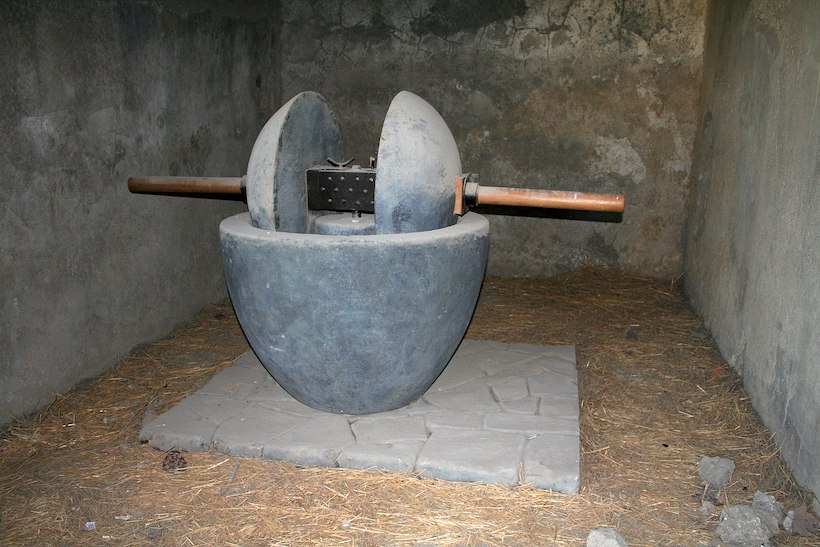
(753, 252)
(93, 92)
(560, 94)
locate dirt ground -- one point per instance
(655, 398)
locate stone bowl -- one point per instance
(354, 324)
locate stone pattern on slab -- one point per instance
(499, 413)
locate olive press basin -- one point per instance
(354, 324)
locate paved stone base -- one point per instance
(499, 413)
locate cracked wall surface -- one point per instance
(577, 95)
(93, 92)
(753, 253)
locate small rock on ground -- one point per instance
(743, 525)
(716, 472)
(605, 537)
(788, 520)
(769, 504)
(706, 508)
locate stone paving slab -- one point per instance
(499, 413)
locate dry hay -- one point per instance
(656, 398)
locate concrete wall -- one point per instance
(91, 93)
(753, 252)
(561, 94)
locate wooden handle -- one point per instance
(549, 199)
(186, 185)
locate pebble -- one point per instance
(788, 520)
(769, 504)
(716, 472)
(746, 526)
(706, 508)
(605, 537)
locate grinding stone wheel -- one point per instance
(301, 134)
(417, 164)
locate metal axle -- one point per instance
(328, 189)
(186, 185)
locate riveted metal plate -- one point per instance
(341, 189)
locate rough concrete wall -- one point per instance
(561, 94)
(753, 250)
(91, 93)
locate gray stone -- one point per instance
(241, 382)
(301, 134)
(715, 472)
(392, 456)
(528, 425)
(345, 224)
(476, 351)
(788, 520)
(246, 434)
(453, 419)
(471, 455)
(552, 385)
(559, 406)
(287, 406)
(526, 406)
(416, 168)
(472, 397)
(565, 353)
(560, 424)
(605, 537)
(317, 442)
(384, 430)
(496, 359)
(523, 367)
(456, 376)
(269, 391)
(746, 526)
(149, 417)
(706, 508)
(416, 408)
(179, 428)
(552, 461)
(219, 407)
(510, 390)
(769, 504)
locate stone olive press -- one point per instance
(355, 285)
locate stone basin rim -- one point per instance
(240, 225)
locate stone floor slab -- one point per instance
(500, 413)
(551, 462)
(392, 456)
(472, 455)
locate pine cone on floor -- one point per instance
(174, 461)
